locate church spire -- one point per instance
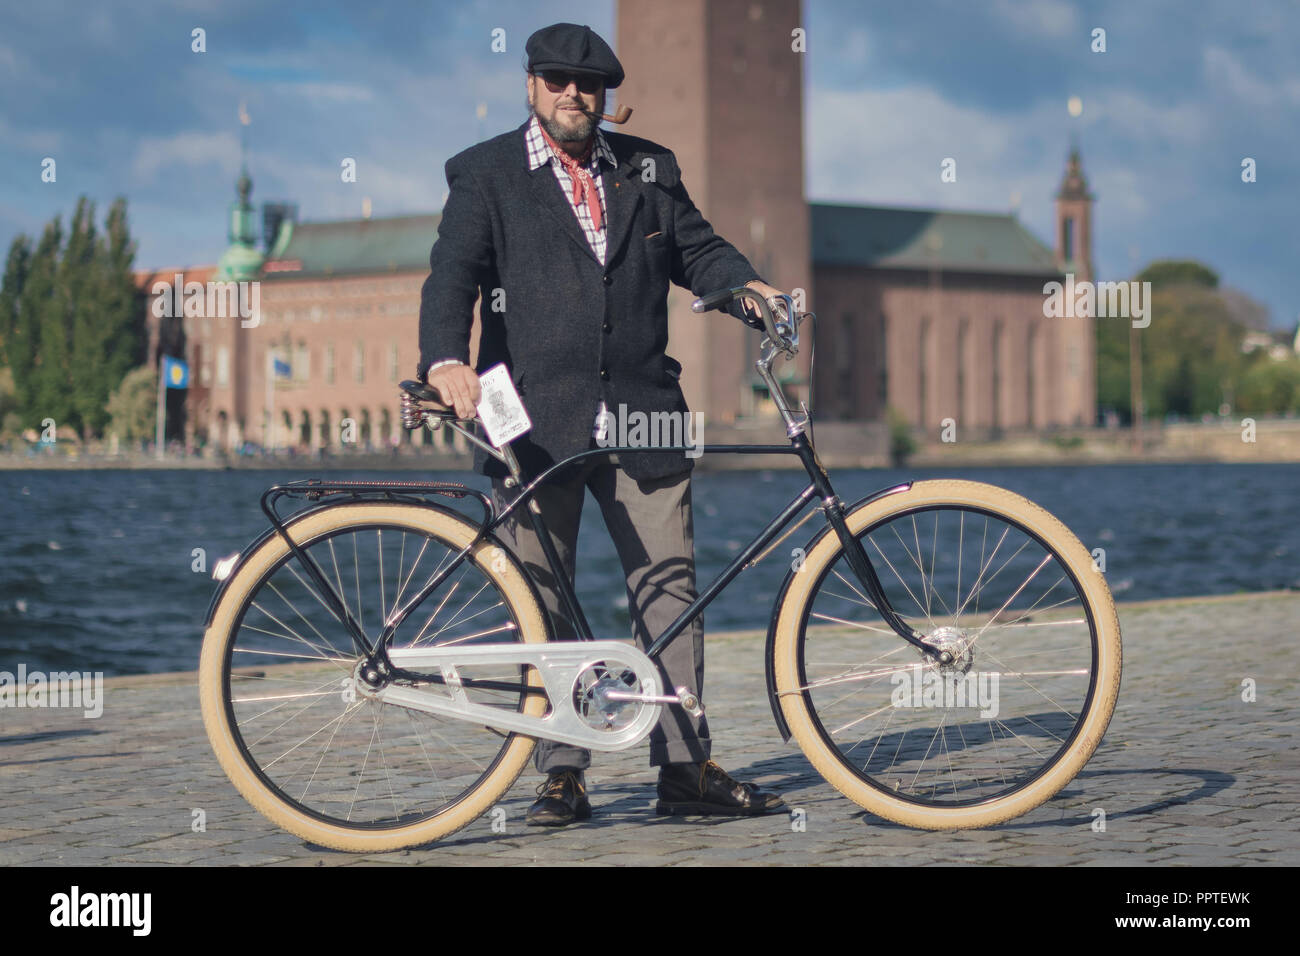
(241, 260)
(1074, 219)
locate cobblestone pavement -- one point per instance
(1189, 773)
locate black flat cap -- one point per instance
(567, 46)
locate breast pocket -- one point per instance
(657, 253)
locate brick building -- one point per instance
(933, 313)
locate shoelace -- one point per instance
(554, 786)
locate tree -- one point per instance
(1170, 272)
(1191, 351)
(1270, 386)
(133, 406)
(39, 333)
(108, 334)
(71, 319)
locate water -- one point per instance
(96, 568)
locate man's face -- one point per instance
(560, 112)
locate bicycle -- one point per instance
(370, 732)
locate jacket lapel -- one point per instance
(546, 191)
(622, 199)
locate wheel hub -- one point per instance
(957, 643)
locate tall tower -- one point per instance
(1074, 221)
(1077, 336)
(720, 82)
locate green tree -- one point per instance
(1191, 351)
(16, 265)
(108, 331)
(39, 331)
(1269, 386)
(133, 406)
(1171, 272)
(72, 322)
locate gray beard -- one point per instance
(560, 134)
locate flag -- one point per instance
(281, 367)
(176, 374)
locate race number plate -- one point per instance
(503, 414)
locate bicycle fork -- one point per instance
(857, 558)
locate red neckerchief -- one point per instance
(584, 187)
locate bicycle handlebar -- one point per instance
(785, 339)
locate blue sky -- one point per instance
(1185, 90)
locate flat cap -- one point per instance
(567, 46)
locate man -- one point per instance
(571, 236)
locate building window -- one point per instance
(301, 363)
(1067, 238)
(922, 364)
(844, 366)
(997, 374)
(359, 362)
(1031, 371)
(329, 364)
(963, 413)
(882, 363)
(392, 361)
(223, 366)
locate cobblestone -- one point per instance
(1188, 774)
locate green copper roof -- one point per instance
(891, 238)
(353, 246)
(239, 263)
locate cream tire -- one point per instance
(456, 533)
(798, 711)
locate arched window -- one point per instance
(996, 374)
(922, 379)
(1031, 372)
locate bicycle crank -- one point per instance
(604, 695)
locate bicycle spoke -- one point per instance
(1012, 691)
(331, 747)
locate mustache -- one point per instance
(622, 116)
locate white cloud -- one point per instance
(1225, 73)
(35, 140)
(326, 93)
(1042, 18)
(186, 149)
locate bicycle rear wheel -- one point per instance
(282, 706)
(1035, 638)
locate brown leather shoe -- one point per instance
(561, 799)
(707, 789)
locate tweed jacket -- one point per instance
(572, 331)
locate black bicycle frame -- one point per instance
(376, 651)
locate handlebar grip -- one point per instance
(714, 300)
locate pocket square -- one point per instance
(653, 234)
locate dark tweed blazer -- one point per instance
(571, 330)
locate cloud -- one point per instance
(325, 93)
(32, 140)
(186, 149)
(1226, 74)
(1041, 18)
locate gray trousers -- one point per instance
(651, 524)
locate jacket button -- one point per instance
(607, 327)
(604, 374)
(606, 279)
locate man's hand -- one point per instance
(457, 386)
(766, 291)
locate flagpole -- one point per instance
(162, 407)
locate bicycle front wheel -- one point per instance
(1031, 626)
(280, 695)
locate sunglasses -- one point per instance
(558, 81)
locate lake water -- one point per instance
(96, 566)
